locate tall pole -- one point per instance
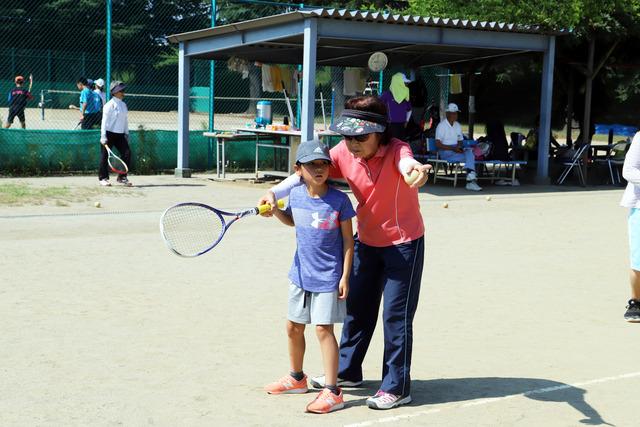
(586, 118)
(212, 77)
(108, 55)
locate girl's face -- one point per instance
(363, 146)
(315, 172)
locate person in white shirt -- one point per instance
(449, 143)
(631, 200)
(114, 132)
(99, 90)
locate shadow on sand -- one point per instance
(433, 392)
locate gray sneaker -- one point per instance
(318, 382)
(384, 400)
(473, 186)
(632, 315)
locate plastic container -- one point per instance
(263, 114)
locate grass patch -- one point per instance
(19, 194)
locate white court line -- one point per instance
(493, 400)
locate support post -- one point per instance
(586, 118)
(108, 53)
(309, 78)
(184, 72)
(212, 73)
(544, 129)
(472, 103)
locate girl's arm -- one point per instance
(347, 249)
(284, 217)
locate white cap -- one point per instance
(452, 108)
(99, 83)
(405, 78)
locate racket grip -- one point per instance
(266, 208)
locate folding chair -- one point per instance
(576, 162)
(615, 158)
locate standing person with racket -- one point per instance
(18, 98)
(389, 246)
(114, 132)
(319, 274)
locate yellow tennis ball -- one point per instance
(97, 204)
(413, 177)
(488, 198)
(445, 205)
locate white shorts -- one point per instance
(316, 308)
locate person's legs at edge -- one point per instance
(633, 308)
(403, 268)
(363, 302)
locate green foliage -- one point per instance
(584, 17)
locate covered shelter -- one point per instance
(335, 37)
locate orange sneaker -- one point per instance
(287, 385)
(326, 402)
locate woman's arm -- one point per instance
(407, 164)
(631, 168)
(283, 188)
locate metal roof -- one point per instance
(366, 16)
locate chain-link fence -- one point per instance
(60, 41)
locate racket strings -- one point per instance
(190, 229)
(117, 165)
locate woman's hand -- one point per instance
(423, 177)
(269, 199)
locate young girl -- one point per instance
(320, 272)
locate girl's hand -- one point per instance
(343, 289)
(270, 199)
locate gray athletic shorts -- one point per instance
(316, 308)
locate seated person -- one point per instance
(449, 142)
(494, 130)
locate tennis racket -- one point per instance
(192, 229)
(115, 163)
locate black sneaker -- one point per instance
(633, 311)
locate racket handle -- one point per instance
(267, 207)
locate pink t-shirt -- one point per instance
(388, 210)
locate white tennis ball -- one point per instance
(488, 198)
(97, 204)
(445, 205)
(413, 177)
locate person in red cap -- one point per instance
(18, 97)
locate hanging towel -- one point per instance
(276, 76)
(267, 78)
(286, 75)
(398, 88)
(354, 81)
(456, 84)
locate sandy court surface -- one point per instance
(519, 322)
(60, 119)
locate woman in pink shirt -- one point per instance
(389, 246)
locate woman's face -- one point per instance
(363, 146)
